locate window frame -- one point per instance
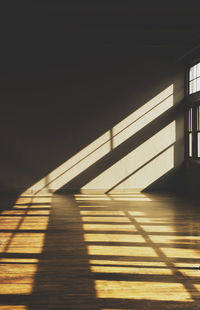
(192, 104)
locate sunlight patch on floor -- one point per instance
(13, 307)
(121, 250)
(112, 238)
(131, 270)
(20, 236)
(113, 227)
(142, 290)
(105, 219)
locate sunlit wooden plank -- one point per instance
(125, 263)
(13, 307)
(181, 253)
(161, 228)
(46, 200)
(65, 266)
(113, 238)
(155, 220)
(175, 239)
(13, 212)
(121, 250)
(16, 288)
(32, 206)
(188, 269)
(197, 286)
(142, 290)
(102, 213)
(136, 213)
(105, 219)
(19, 260)
(131, 270)
(113, 227)
(24, 200)
(15, 269)
(17, 279)
(92, 206)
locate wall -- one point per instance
(51, 112)
(192, 166)
(192, 177)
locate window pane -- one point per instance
(198, 84)
(198, 144)
(190, 119)
(190, 145)
(191, 87)
(198, 118)
(191, 73)
(194, 79)
(198, 69)
(195, 71)
(194, 86)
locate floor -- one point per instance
(105, 252)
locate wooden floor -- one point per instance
(105, 252)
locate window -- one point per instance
(198, 131)
(194, 79)
(193, 112)
(189, 130)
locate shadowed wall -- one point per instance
(65, 82)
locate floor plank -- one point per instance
(100, 252)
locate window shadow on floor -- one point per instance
(102, 252)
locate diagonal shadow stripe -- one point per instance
(142, 112)
(123, 149)
(140, 168)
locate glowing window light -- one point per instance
(190, 144)
(198, 131)
(194, 79)
(190, 128)
(198, 144)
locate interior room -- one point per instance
(100, 156)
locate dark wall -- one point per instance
(51, 111)
(192, 177)
(72, 70)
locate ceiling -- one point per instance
(52, 31)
